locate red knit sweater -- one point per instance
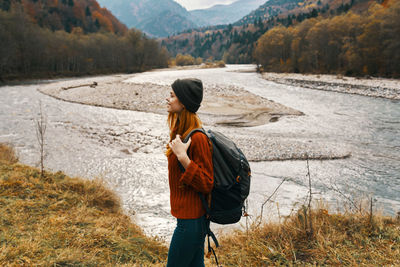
(198, 177)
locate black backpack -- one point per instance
(231, 182)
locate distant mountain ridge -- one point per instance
(162, 18)
(155, 17)
(166, 23)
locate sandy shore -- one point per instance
(373, 87)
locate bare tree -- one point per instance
(41, 125)
(350, 200)
(310, 231)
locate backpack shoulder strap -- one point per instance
(187, 139)
(192, 132)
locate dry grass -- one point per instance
(338, 240)
(7, 154)
(60, 221)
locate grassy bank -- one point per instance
(337, 240)
(62, 221)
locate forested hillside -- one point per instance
(68, 15)
(235, 43)
(273, 8)
(304, 37)
(41, 38)
(355, 44)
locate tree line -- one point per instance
(30, 51)
(355, 44)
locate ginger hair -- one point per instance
(182, 124)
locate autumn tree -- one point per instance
(273, 49)
(354, 44)
(391, 38)
(28, 50)
(184, 60)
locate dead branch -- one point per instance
(311, 228)
(268, 199)
(92, 85)
(41, 125)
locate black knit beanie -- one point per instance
(189, 93)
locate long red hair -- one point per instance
(181, 123)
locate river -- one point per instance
(94, 142)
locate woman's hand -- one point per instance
(180, 150)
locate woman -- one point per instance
(190, 171)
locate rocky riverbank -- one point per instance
(370, 86)
(224, 107)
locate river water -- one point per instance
(95, 142)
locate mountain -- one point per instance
(162, 18)
(69, 15)
(165, 24)
(225, 14)
(158, 18)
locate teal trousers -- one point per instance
(187, 243)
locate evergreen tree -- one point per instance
(5, 5)
(87, 12)
(97, 23)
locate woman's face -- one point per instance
(173, 103)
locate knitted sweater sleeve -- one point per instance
(199, 174)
